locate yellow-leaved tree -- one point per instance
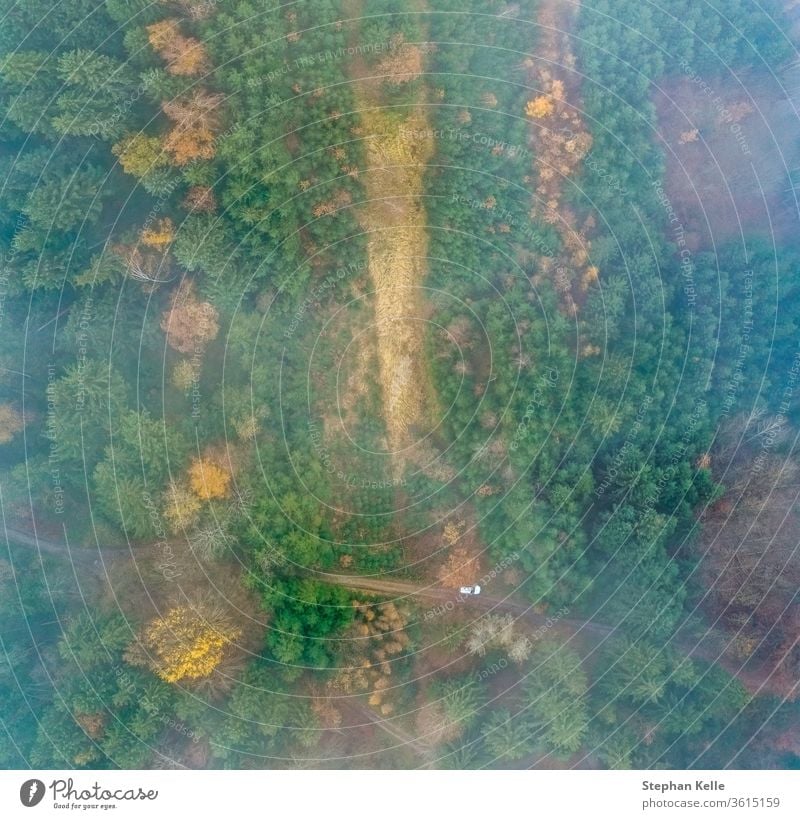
(140, 154)
(208, 480)
(540, 107)
(185, 644)
(160, 235)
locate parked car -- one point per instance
(470, 590)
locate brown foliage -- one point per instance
(142, 265)
(329, 716)
(200, 199)
(402, 63)
(459, 569)
(196, 110)
(93, 724)
(433, 726)
(750, 561)
(195, 9)
(368, 666)
(189, 323)
(11, 423)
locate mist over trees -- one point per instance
(213, 557)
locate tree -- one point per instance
(200, 199)
(84, 400)
(189, 142)
(199, 109)
(187, 643)
(556, 690)
(461, 701)
(160, 236)
(306, 615)
(140, 154)
(185, 56)
(93, 99)
(67, 196)
(508, 737)
(184, 374)
(209, 480)
(190, 323)
(121, 499)
(32, 79)
(540, 107)
(181, 507)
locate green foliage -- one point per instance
(557, 694)
(507, 737)
(307, 617)
(461, 701)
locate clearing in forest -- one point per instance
(398, 144)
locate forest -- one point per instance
(314, 314)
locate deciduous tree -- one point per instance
(187, 643)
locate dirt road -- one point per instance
(484, 602)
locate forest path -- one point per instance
(699, 642)
(398, 145)
(709, 645)
(79, 555)
(450, 598)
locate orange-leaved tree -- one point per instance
(186, 143)
(185, 56)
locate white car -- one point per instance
(470, 590)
